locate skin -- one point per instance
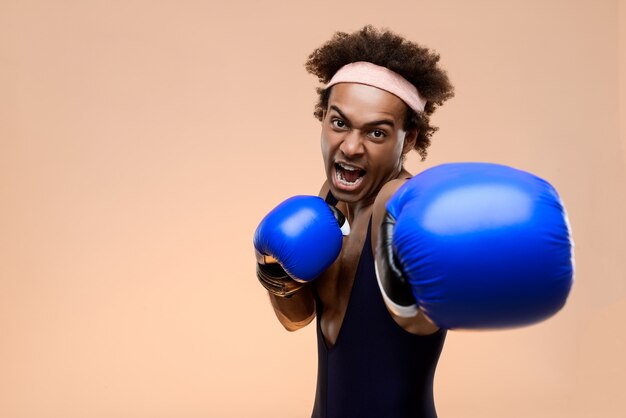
(362, 127)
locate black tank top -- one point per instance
(375, 369)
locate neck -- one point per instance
(357, 209)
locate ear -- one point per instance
(410, 138)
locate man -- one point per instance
(467, 245)
(371, 362)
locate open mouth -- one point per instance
(348, 175)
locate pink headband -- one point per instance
(362, 72)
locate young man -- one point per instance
(459, 246)
(380, 90)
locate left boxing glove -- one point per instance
(296, 242)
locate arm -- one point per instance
(298, 309)
(473, 246)
(418, 324)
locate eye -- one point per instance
(338, 123)
(378, 134)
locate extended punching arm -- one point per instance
(477, 246)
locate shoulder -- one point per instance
(324, 190)
(385, 193)
(378, 211)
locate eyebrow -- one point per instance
(373, 123)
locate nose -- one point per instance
(352, 144)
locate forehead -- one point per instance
(366, 102)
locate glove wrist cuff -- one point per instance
(394, 285)
(276, 280)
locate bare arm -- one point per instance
(419, 324)
(297, 311)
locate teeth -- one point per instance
(347, 167)
(346, 182)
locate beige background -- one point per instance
(142, 141)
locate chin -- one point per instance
(345, 196)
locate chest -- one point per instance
(334, 287)
(340, 275)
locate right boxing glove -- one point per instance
(296, 242)
(475, 246)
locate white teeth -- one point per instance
(347, 167)
(346, 182)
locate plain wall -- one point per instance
(142, 141)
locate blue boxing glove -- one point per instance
(475, 246)
(296, 242)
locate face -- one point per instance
(363, 140)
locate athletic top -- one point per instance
(376, 368)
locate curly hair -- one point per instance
(415, 63)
